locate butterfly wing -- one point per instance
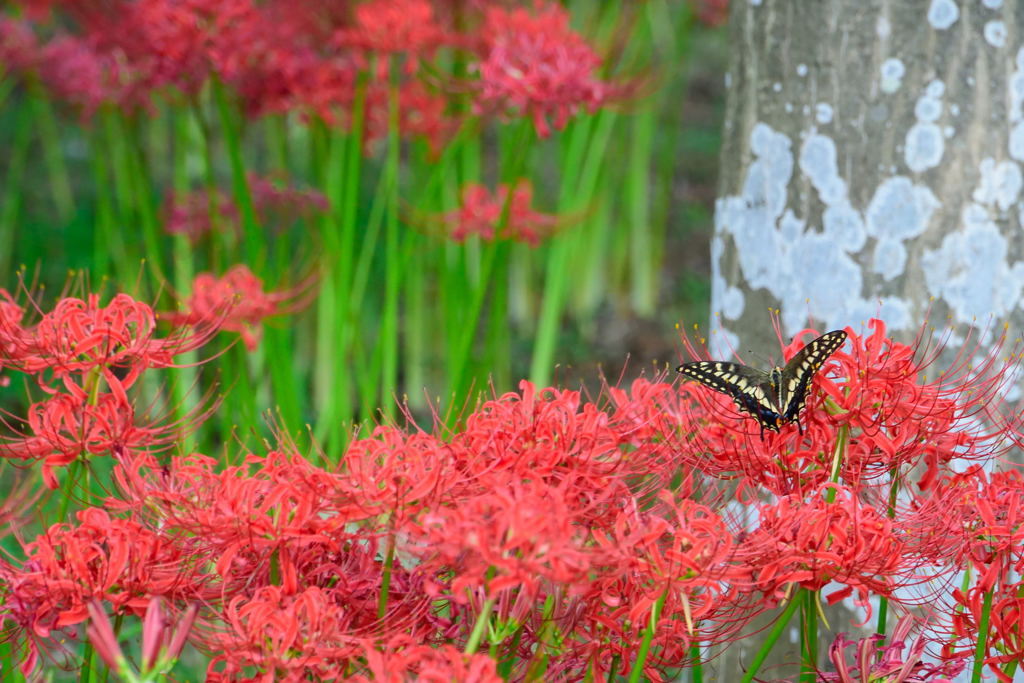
(750, 388)
(799, 371)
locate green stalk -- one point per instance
(505, 664)
(385, 582)
(107, 245)
(53, 157)
(185, 388)
(557, 273)
(388, 341)
(9, 660)
(478, 628)
(587, 255)
(645, 645)
(329, 386)
(335, 326)
(279, 342)
(697, 670)
(498, 355)
(809, 636)
(883, 608)
(6, 86)
(142, 194)
(86, 674)
(772, 638)
(644, 279)
(10, 208)
(981, 651)
(498, 248)
(230, 124)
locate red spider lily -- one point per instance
(105, 558)
(66, 427)
(711, 13)
(398, 475)
(422, 114)
(238, 303)
(385, 26)
(482, 211)
(534, 65)
(812, 542)
(272, 197)
(86, 78)
(78, 336)
(899, 418)
(286, 522)
(161, 644)
(877, 662)
(513, 537)
(18, 46)
(285, 636)
(1005, 624)
(189, 214)
(553, 434)
(403, 660)
(985, 516)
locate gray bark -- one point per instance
(871, 163)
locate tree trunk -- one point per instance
(870, 168)
(870, 165)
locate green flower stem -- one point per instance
(498, 249)
(981, 651)
(10, 207)
(414, 321)
(557, 271)
(809, 638)
(385, 582)
(482, 620)
(672, 39)
(6, 86)
(143, 197)
(637, 672)
(185, 388)
(388, 341)
(330, 386)
(230, 125)
(894, 488)
(588, 257)
(506, 663)
(53, 156)
(644, 279)
(772, 638)
(108, 246)
(697, 669)
(335, 320)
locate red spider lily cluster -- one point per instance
(195, 214)
(238, 302)
(85, 357)
(307, 57)
(546, 538)
(496, 215)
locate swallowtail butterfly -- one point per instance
(775, 397)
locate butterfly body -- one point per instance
(774, 397)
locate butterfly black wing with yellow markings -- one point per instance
(772, 398)
(749, 387)
(799, 371)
